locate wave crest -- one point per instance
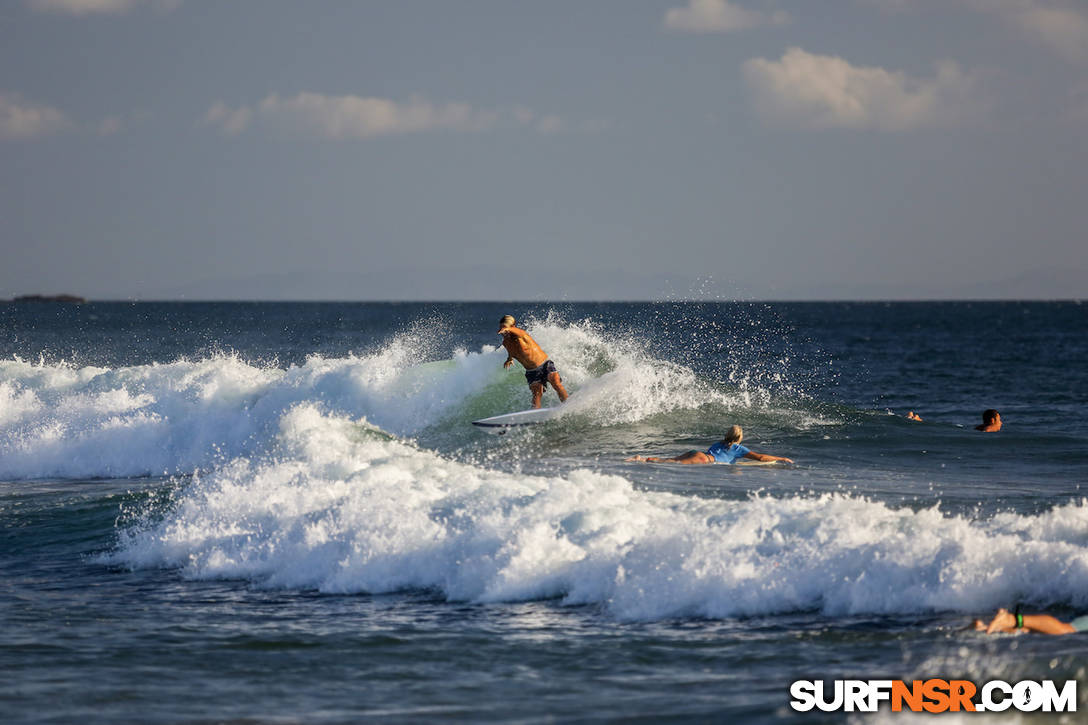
(176, 418)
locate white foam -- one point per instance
(340, 508)
(60, 421)
(617, 380)
(17, 403)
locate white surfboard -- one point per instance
(502, 423)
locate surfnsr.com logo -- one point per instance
(933, 695)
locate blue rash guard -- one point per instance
(721, 454)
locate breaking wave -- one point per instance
(345, 509)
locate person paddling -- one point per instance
(727, 450)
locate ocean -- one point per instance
(280, 513)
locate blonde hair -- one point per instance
(733, 435)
(507, 321)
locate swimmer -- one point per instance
(991, 421)
(728, 450)
(914, 416)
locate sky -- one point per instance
(547, 151)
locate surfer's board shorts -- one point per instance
(540, 374)
(1080, 623)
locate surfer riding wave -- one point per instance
(539, 370)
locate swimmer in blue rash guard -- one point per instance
(727, 450)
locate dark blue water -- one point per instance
(280, 513)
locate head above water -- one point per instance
(990, 416)
(506, 321)
(733, 435)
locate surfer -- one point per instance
(914, 416)
(539, 370)
(1008, 622)
(991, 421)
(727, 450)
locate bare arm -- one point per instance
(513, 332)
(766, 457)
(1005, 621)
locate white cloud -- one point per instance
(1057, 24)
(22, 119)
(100, 7)
(356, 117)
(718, 16)
(1062, 25)
(342, 117)
(822, 91)
(230, 121)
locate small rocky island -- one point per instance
(67, 299)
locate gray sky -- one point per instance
(560, 150)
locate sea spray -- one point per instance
(57, 420)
